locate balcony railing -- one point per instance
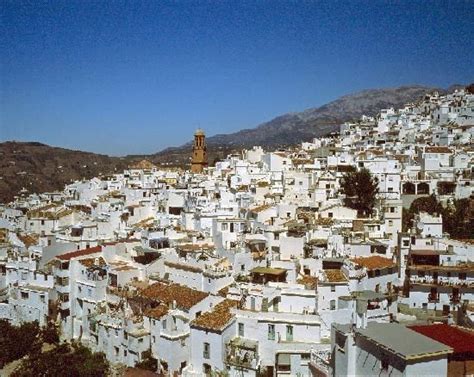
(321, 360)
(242, 353)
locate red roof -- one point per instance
(462, 341)
(80, 253)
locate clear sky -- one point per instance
(135, 77)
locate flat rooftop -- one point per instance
(402, 341)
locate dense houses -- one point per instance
(255, 266)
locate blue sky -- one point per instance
(135, 77)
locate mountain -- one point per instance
(38, 167)
(292, 128)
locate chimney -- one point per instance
(361, 313)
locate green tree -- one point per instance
(18, 341)
(427, 204)
(50, 333)
(457, 220)
(64, 360)
(360, 189)
(470, 88)
(148, 362)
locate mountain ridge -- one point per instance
(39, 167)
(294, 127)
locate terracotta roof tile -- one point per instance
(158, 312)
(335, 276)
(80, 253)
(185, 297)
(462, 341)
(218, 318)
(374, 262)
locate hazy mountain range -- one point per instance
(38, 167)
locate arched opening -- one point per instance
(409, 188)
(423, 188)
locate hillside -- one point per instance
(40, 168)
(293, 128)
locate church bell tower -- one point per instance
(199, 158)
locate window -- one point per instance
(271, 332)
(332, 304)
(289, 333)
(42, 299)
(384, 363)
(462, 276)
(330, 214)
(390, 222)
(277, 236)
(241, 329)
(207, 351)
(333, 288)
(406, 243)
(163, 324)
(25, 295)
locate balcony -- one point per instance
(242, 353)
(455, 299)
(320, 362)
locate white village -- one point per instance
(352, 254)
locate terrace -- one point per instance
(242, 353)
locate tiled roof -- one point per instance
(462, 341)
(185, 297)
(218, 318)
(158, 312)
(261, 208)
(80, 253)
(375, 262)
(438, 150)
(335, 276)
(29, 239)
(89, 262)
(310, 281)
(268, 271)
(184, 267)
